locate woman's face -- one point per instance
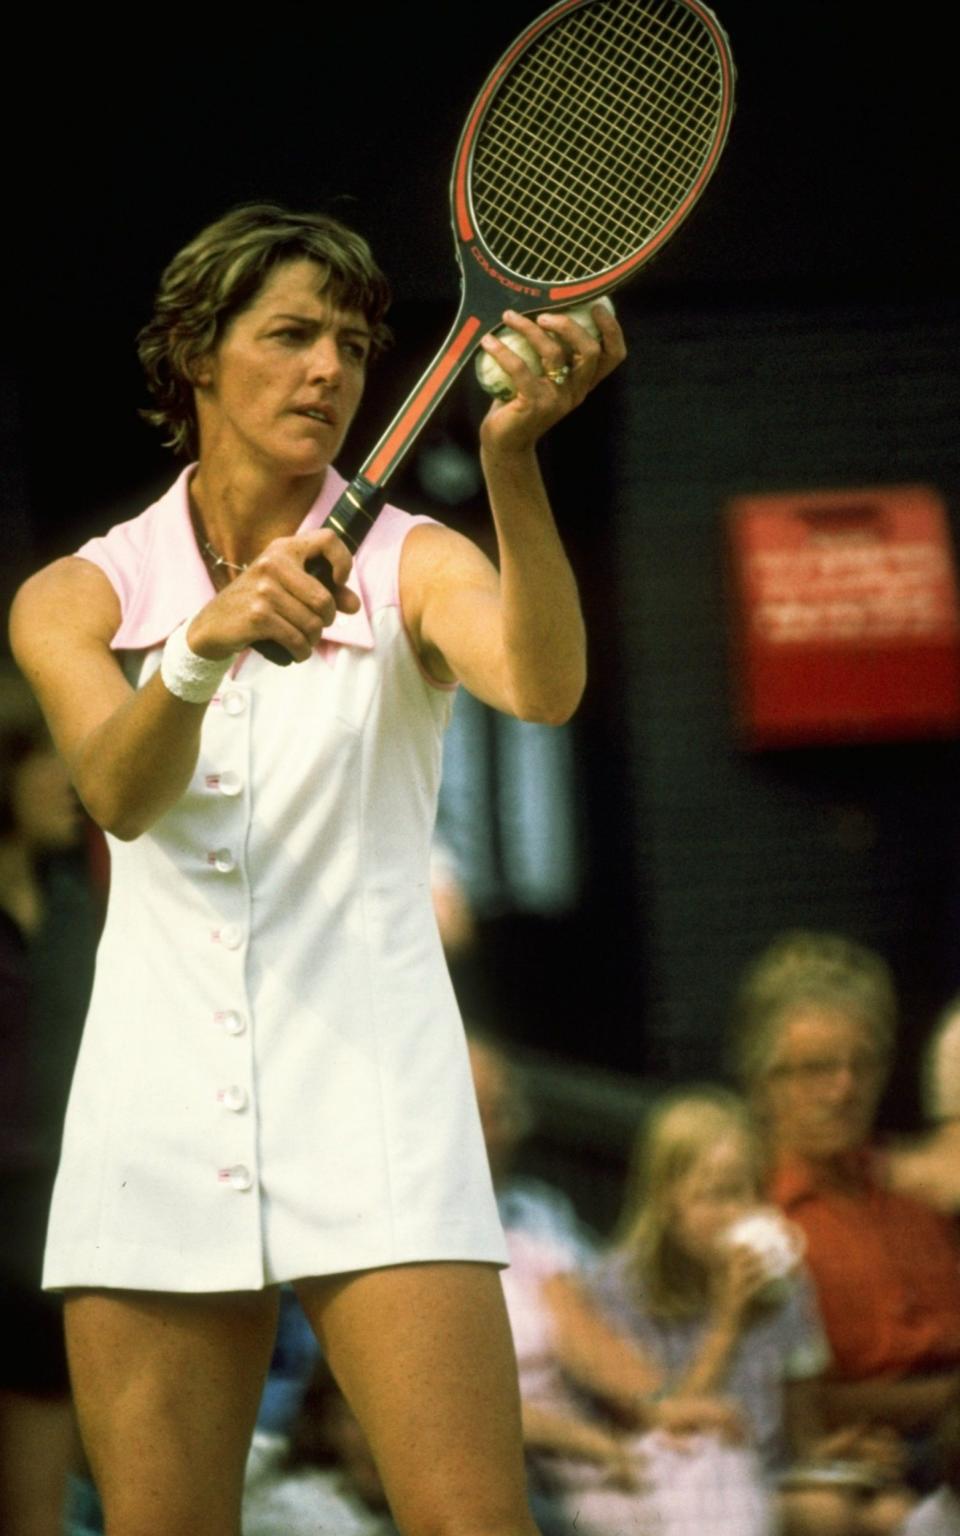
(45, 809)
(821, 1094)
(285, 381)
(720, 1187)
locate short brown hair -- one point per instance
(220, 273)
(801, 968)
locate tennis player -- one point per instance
(273, 1083)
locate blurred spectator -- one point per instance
(544, 1236)
(815, 1024)
(939, 1515)
(525, 1204)
(709, 1285)
(929, 1167)
(47, 938)
(586, 1391)
(606, 1454)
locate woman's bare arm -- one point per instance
(514, 637)
(131, 752)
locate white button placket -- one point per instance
(232, 1089)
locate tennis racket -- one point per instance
(587, 147)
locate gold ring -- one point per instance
(559, 375)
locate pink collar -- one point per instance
(166, 580)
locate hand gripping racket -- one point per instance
(590, 142)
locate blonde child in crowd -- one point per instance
(606, 1456)
(735, 1315)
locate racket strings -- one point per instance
(595, 137)
(672, 107)
(667, 168)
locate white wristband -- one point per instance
(190, 677)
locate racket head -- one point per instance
(589, 144)
(673, 93)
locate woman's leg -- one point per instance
(166, 1389)
(424, 1356)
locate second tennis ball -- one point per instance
(493, 378)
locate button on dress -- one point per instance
(273, 1080)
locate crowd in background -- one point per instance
(770, 1341)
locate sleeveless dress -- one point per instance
(273, 1080)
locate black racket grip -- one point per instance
(352, 518)
(319, 567)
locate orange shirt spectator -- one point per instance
(815, 1028)
(886, 1267)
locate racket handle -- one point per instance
(352, 518)
(319, 567)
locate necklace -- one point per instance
(219, 564)
(219, 561)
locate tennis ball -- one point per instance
(492, 377)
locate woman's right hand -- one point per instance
(277, 599)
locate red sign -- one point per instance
(847, 616)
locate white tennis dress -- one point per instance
(273, 1080)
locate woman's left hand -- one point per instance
(576, 360)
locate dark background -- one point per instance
(800, 330)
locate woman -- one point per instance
(273, 1084)
(815, 1032)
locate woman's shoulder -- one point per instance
(71, 598)
(378, 558)
(125, 548)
